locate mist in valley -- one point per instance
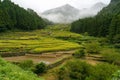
(68, 13)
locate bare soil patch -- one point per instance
(48, 58)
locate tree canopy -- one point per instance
(105, 24)
(14, 17)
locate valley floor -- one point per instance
(52, 45)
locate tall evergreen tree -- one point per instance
(12, 16)
(106, 23)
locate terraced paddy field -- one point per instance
(48, 58)
(38, 41)
(35, 46)
(40, 45)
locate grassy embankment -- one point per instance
(9, 71)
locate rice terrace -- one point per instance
(63, 40)
(36, 43)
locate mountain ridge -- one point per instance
(66, 6)
(68, 13)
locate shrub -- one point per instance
(61, 71)
(26, 65)
(93, 47)
(77, 70)
(111, 56)
(116, 75)
(40, 68)
(103, 41)
(86, 34)
(102, 71)
(79, 53)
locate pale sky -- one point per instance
(43, 5)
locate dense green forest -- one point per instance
(105, 24)
(14, 17)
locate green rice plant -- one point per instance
(39, 40)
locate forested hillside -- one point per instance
(105, 24)
(14, 17)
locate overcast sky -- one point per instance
(43, 5)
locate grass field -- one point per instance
(37, 41)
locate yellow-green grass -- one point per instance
(63, 46)
(36, 46)
(50, 31)
(38, 41)
(65, 34)
(61, 30)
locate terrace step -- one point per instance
(42, 55)
(50, 54)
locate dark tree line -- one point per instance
(105, 24)
(14, 17)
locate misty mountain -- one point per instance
(68, 14)
(98, 6)
(90, 12)
(63, 14)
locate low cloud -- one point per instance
(68, 14)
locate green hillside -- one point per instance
(105, 24)
(9, 71)
(14, 17)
